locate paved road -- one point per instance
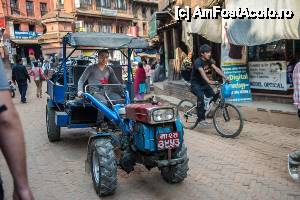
(252, 166)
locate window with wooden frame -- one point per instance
(43, 8)
(30, 8)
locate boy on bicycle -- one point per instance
(200, 83)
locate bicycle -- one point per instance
(222, 114)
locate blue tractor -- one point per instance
(147, 133)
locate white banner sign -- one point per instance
(109, 12)
(268, 75)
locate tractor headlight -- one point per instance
(160, 115)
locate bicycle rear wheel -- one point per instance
(228, 120)
(187, 111)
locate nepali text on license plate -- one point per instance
(168, 141)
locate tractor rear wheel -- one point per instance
(177, 173)
(53, 131)
(103, 165)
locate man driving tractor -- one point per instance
(97, 75)
(200, 83)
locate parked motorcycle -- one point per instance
(12, 89)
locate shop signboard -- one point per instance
(26, 34)
(153, 26)
(268, 75)
(234, 66)
(239, 82)
(109, 12)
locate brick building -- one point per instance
(21, 22)
(142, 12)
(117, 16)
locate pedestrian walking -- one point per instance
(139, 82)
(20, 76)
(46, 67)
(296, 83)
(147, 68)
(12, 142)
(38, 77)
(31, 56)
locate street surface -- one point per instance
(253, 166)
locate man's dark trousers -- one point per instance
(200, 91)
(22, 85)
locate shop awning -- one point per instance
(252, 32)
(25, 41)
(249, 32)
(211, 29)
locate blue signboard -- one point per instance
(240, 84)
(26, 34)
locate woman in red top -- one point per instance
(139, 82)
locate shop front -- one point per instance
(25, 45)
(28, 50)
(271, 67)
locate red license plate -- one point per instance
(168, 141)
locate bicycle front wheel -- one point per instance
(187, 111)
(228, 120)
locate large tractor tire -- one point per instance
(103, 165)
(53, 131)
(177, 173)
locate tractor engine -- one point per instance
(156, 127)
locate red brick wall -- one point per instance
(37, 11)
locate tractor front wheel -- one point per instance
(103, 165)
(177, 173)
(53, 131)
